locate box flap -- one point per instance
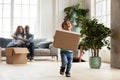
(66, 40)
(20, 50)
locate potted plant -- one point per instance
(74, 14)
(94, 38)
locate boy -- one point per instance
(66, 55)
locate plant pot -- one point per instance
(95, 62)
(76, 29)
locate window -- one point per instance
(5, 10)
(101, 11)
(17, 12)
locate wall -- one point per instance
(115, 40)
(47, 18)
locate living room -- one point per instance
(46, 16)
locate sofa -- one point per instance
(42, 47)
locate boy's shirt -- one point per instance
(66, 50)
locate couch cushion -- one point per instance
(44, 44)
(3, 42)
(42, 52)
(36, 41)
(9, 40)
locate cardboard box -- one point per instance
(66, 40)
(16, 55)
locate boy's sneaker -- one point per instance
(62, 73)
(62, 70)
(68, 75)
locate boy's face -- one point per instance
(67, 26)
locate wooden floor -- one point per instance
(49, 70)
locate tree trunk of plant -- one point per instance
(95, 52)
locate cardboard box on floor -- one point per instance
(16, 55)
(66, 40)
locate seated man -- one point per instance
(29, 43)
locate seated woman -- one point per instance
(17, 38)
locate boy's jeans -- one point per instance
(66, 59)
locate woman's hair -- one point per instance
(18, 30)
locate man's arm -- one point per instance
(30, 38)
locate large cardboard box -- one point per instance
(16, 55)
(66, 40)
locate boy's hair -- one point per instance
(64, 22)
